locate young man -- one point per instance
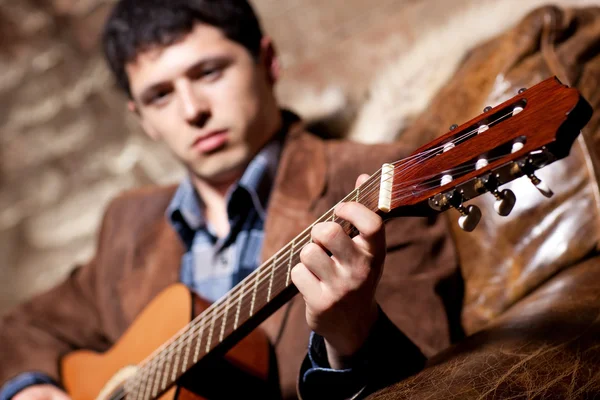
(199, 75)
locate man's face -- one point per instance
(208, 99)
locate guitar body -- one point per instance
(87, 375)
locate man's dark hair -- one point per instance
(138, 25)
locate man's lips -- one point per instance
(210, 142)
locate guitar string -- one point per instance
(280, 278)
(277, 282)
(420, 155)
(278, 266)
(205, 316)
(179, 344)
(190, 330)
(370, 189)
(327, 216)
(374, 181)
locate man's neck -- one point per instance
(213, 195)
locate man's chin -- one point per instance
(220, 176)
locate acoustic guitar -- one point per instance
(176, 347)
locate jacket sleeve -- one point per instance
(387, 356)
(23, 381)
(34, 335)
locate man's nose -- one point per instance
(194, 105)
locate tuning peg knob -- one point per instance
(505, 202)
(470, 217)
(541, 186)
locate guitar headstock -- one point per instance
(531, 130)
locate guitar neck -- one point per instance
(238, 312)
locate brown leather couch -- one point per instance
(531, 307)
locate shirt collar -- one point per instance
(185, 209)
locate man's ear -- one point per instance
(147, 128)
(269, 59)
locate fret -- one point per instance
(151, 372)
(271, 277)
(332, 216)
(177, 358)
(188, 349)
(142, 385)
(289, 271)
(131, 386)
(357, 194)
(239, 306)
(227, 303)
(254, 294)
(166, 372)
(197, 351)
(134, 389)
(157, 381)
(212, 328)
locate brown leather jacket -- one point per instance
(138, 255)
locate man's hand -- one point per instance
(41, 392)
(339, 291)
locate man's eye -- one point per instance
(211, 74)
(159, 96)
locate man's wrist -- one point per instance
(341, 352)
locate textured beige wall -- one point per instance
(67, 145)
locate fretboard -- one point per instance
(243, 307)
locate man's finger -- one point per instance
(307, 283)
(369, 224)
(60, 396)
(332, 237)
(362, 178)
(318, 261)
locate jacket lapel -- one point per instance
(299, 182)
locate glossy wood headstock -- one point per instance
(523, 134)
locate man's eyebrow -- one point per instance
(150, 90)
(210, 61)
(189, 71)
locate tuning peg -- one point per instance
(505, 201)
(522, 90)
(470, 217)
(541, 186)
(453, 127)
(488, 108)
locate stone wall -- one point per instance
(67, 145)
